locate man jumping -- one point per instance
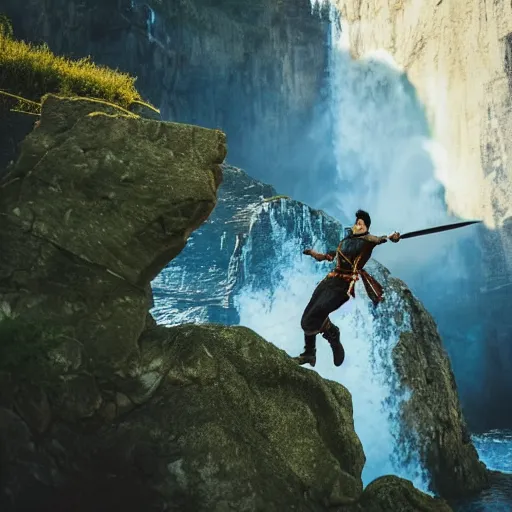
(338, 286)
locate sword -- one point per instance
(438, 229)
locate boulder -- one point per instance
(98, 202)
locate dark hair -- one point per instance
(364, 216)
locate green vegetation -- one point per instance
(5, 26)
(28, 72)
(25, 346)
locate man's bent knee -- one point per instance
(310, 326)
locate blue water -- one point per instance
(495, 450)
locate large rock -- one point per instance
(393, 494)
(98, 202)
(433, 410)
(235, 424)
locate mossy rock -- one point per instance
(98, 203)
(239, 424)
(394, 494)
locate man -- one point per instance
(338, 286)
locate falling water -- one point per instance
(387, 162)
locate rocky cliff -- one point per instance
(77, 200)
(199, 283)
(457, 55)
(255, 70)
(102, 409)
(431, 419)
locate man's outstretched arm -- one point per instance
(377, 240)
(318, 255)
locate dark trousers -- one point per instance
(329, 295)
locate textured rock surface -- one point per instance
(234, 424)
(434, 410)
(247, 428)
(101, 201)
(134, 416)
(431, 420)
(393, 494)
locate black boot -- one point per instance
(309, 354)
(332, 335)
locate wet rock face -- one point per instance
(430, 417)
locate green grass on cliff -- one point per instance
(28, 72)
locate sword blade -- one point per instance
(438, 229)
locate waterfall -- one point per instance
(387, 162)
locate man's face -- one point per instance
(359, 227)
